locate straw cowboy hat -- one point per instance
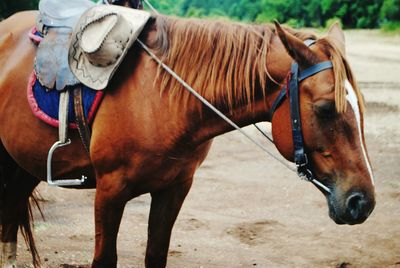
(100, 41)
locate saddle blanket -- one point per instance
(45, 103)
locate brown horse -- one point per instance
(150, 135)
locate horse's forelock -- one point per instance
(342, 71)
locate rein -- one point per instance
(303, 168)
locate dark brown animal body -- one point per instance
(148, 137)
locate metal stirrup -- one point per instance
(63, 141)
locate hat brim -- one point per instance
(88, 74)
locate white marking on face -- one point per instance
(353, 100)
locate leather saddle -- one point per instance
(56, 22)
(62, 25)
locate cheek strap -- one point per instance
(295, 77)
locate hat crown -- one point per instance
(104, 39)
(100, 41)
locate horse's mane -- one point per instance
(227, 62)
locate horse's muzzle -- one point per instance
(356, 208)
(359, 207)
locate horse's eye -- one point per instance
(325, 109)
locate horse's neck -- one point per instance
(210, 125)
(278, 68)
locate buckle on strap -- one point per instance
(301, 160)
(306, 174)
(309, 42)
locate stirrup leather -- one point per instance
(63, 141)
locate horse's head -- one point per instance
(331, 111)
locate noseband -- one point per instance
(296, 76)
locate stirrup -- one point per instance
(61, 182)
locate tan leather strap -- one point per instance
(63, 116)
(83, 127)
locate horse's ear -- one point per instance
(336, 33)
(301, 53)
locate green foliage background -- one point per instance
(9, 7)
(297, 13)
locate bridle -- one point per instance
(291, 90)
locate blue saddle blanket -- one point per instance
(45, 103)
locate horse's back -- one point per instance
(13, 37)
(16, 52)
(18, 22)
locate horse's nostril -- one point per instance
(358, 206)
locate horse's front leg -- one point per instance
(110, 201)
(165, 206)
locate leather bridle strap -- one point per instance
(314, 70)
(300, 156)
(303, 75)
(296, 76)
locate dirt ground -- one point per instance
(245, 209)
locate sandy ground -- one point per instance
(245, 209)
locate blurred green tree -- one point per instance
(9, 7)
(390, 10)
(298, 13)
